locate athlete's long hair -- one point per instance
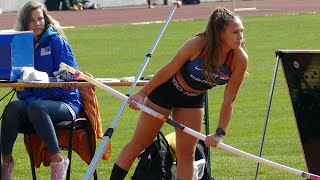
(217, 24)
(24, 16)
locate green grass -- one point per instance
(119, 50)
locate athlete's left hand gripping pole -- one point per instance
(106, 137)
(191, 131)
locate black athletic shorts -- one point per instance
(170, 94)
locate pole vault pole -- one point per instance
(188, 130)
(106, 137)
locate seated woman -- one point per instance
(42, 107)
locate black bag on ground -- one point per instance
(54, 5)
(201, 168)
(200, 154)
(190, 2)
(155, 162)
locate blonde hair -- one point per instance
(217, 24)
(24, 17)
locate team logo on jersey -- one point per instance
(197, 68)
(45, 51)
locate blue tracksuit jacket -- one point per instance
(49, 52)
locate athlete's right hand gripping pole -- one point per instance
(106, 137)
(189, 130)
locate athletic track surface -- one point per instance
(138, 14)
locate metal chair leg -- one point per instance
(70, 148)
(34, 177)
(91, 151)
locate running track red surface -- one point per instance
(124, 15)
